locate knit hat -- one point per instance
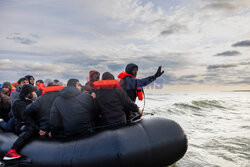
(6, 85)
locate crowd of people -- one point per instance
(51, 109)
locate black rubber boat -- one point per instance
(154, 141)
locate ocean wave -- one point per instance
(208, 104)
(186, 106)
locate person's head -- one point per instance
(107, 76)
(22, 81)
(39, 81)
(27, 91)
(75, 83)
(94, 75)
(132, 69)
(56, 81)
(31, 79)
(6, 87)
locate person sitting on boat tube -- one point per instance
(18, 108)
(72, 111)
(39, 111)
(9, 124)
(5, 103)
(113, 101)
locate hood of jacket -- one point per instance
(129, 68)
(91, 77)
(69, 92)
(26, 89)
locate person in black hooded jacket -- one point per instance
(72, 111)
(130, 83)
(40, 109)
(113, 101)
(19, 106)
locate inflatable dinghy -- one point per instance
(154, 141)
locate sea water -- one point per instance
(217, 125)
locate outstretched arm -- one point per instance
(148, 80)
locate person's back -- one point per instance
(40, 109)
(72, 111)
(112, 100)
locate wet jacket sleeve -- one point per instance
(55, 120)
(126, 101)
(145, 81)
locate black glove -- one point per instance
(159, 72)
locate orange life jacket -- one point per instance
(12, 89)
(106, 84)
(138, 89)
(14, 83)
(40, 86)
(51, 89)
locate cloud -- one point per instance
(16, 37)
(221, 6)
(242, 44)
(228, 53)
(175, 28)
(221, 66)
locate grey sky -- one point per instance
(65, 39)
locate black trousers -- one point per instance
(24, 137)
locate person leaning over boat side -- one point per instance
(113, 101)
(39, 111)
(18, 109)
(72, 111)
(15, 94)
(93, 76)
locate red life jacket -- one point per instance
(138, 89)
(40, 86)
(12, 89)
(51, 89)
(106, 84)
(14, 83)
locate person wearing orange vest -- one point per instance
(93, 76)
(132, 85)
(40, 86)
(112, 101)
